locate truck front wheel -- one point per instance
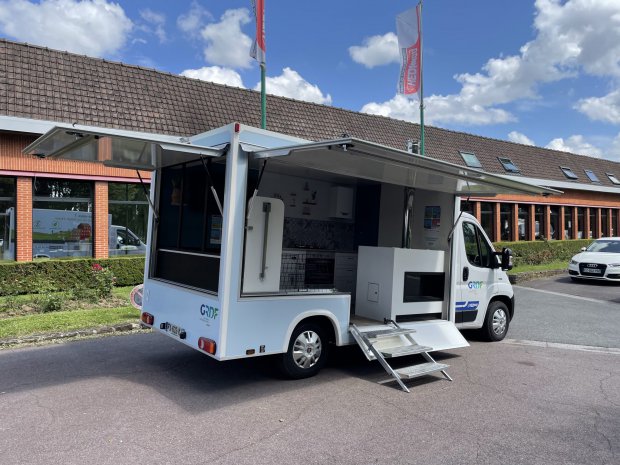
(307, 352)
(496, 321)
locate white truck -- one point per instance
(68, 233)
(230, 206)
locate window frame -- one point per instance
(612, 177)
(569, 173)
(592, 176)
(471, 163)
(480, 239)
(505, 161)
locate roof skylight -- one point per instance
(568, 172)
(471, 160)
(613, 178)
(509, 165)
(593, 177)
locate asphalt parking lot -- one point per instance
(144, 398)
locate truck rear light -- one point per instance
(208, 345)
(147, 318)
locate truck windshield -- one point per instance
(189, 231)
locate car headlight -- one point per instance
(574, 262)
(613, 265)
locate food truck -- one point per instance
(264, 244)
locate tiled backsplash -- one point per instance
(326, 235)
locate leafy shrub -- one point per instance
(103, 280)
(538, 252)
(49, 301)
(65, 275)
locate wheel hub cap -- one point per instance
(307, 349)
(499, 321)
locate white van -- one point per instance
(264, 244)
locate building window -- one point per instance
(62, 219)
(128, 210)
(593, 177)
(540, 230)
(593, 229)
(505, 218)
(524, 223)
(568, 223)
(487, 218)
(604, 222)
(509, 165)
(568, 172)
(554, 225)
(471, 160)
(581, 215)
(467, 207)
(7, 218)
(613, 178)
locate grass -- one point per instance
(554, 265)
(67, 320)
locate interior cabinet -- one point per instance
(341, 202)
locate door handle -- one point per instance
(465, 273)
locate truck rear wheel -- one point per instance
(307, 352)
(496, 321)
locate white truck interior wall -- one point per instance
(391, 216)
(435, 238)
(303, 197)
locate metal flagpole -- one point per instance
(263, 97)
(421, 86)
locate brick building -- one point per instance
(41, 87)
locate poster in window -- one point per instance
(215, 230)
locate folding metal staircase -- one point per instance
(395, 341)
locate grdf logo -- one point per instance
(475, 284)
(208, 311)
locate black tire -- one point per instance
(575, 280)
(307, 352)
(496, 322)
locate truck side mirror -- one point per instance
(506, 259)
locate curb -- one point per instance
(517, 278)
(102, 330)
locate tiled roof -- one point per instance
(45, 84)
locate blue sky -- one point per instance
(542, 72)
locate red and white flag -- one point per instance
(258, 47)
(409, 44)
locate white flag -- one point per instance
(409, 41)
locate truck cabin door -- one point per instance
(476, 274)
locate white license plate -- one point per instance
(592, 270)
(173, 329)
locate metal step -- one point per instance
(400, 351)
(420, 370)
(381, 333)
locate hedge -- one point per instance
(62, 275)
(538, 252)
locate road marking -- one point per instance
(557, 345)
(588, 299)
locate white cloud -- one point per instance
(376, 51)
(156, 22)
(575, 144)
(438, 109)
(567, 43)
(519, 138)
(91, 27)
(605, 108)
(191, 22)
(227, 45)
(215, 74)
(291, 84)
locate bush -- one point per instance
(538, 252)
(49, 301)
(65, 275)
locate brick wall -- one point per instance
(100, 220)
(23, 219)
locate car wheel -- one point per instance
(307, 352)
(496, 321)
